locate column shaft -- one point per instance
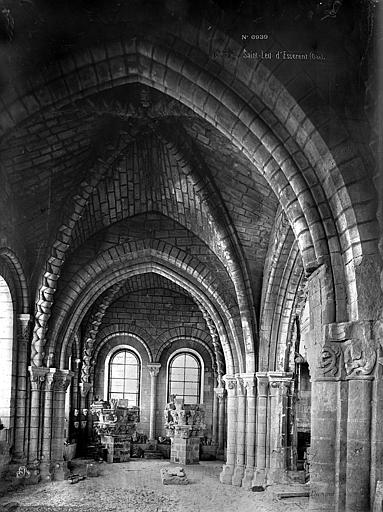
(358, 446)
(228, 469)
(214, 432)
(261, 428)
(250, 431)
(154, 370)
(241, 433)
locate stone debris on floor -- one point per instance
(136, 486)
(174, 476)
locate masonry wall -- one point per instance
(156, 316)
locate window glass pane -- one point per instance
(119, 358)
(190, 362)
(178, 362)
(130, 358)
(132, 399)
(117, 385)
(190, 399)
(191, 388)
(191, 374)
(131, 386)
(117, 371)
(177, 374)
(131, 372)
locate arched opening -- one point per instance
(185, 372)
(6, 357)
(124, 370)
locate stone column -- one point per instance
(220, 393)
(279, 383)
(23, 331)
(241, 433)
(85, 429)
(323, 453)
(228, 469)
(154, 370)
(251, 384)
(358, 445)
(37, 376)
(261, 428)
(214, 430)
(62, 380)
(48, 416)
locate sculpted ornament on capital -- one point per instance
(250, 385)
(241, 389)
(37, 376)
(231, 384)
(154, 369)
(62, 380)
(24, 327)
(220, 391)
(349, 351)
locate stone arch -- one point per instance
(181, 333)
(12, 271)
(150, 261)
(153, 65)
(112, 332)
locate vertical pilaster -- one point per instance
(228, 469)
(279, 384)
(37, 376)
(154, 370)
(23, 331)
(214, 430)
(323, 453)
(251, 385)
(220, 393)
(48, 413)
(62, 379)
(261, 428)
(358, 445)
(239, 470)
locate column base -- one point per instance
(259, 477)
(239, 471)
(247, 481)
(59, 470)
(277, 476)
(226, 475)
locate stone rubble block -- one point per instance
(174, 476)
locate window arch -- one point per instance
(6, 347)
(124, 373)
(185, 371)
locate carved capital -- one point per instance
(241, 390)
(24, 327)
(62, 380)
(250, 381)
(220, 392)
(37, 375)
(85, 387)
(262, 384)
(154, 369)
(350, 350)
(49, 380)
(331, 358)
(280, 381)
(231, 384)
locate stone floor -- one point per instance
(136, 486)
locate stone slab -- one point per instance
(173, 476)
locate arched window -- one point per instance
(124, 377)
(184, 377)
(6, 342)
